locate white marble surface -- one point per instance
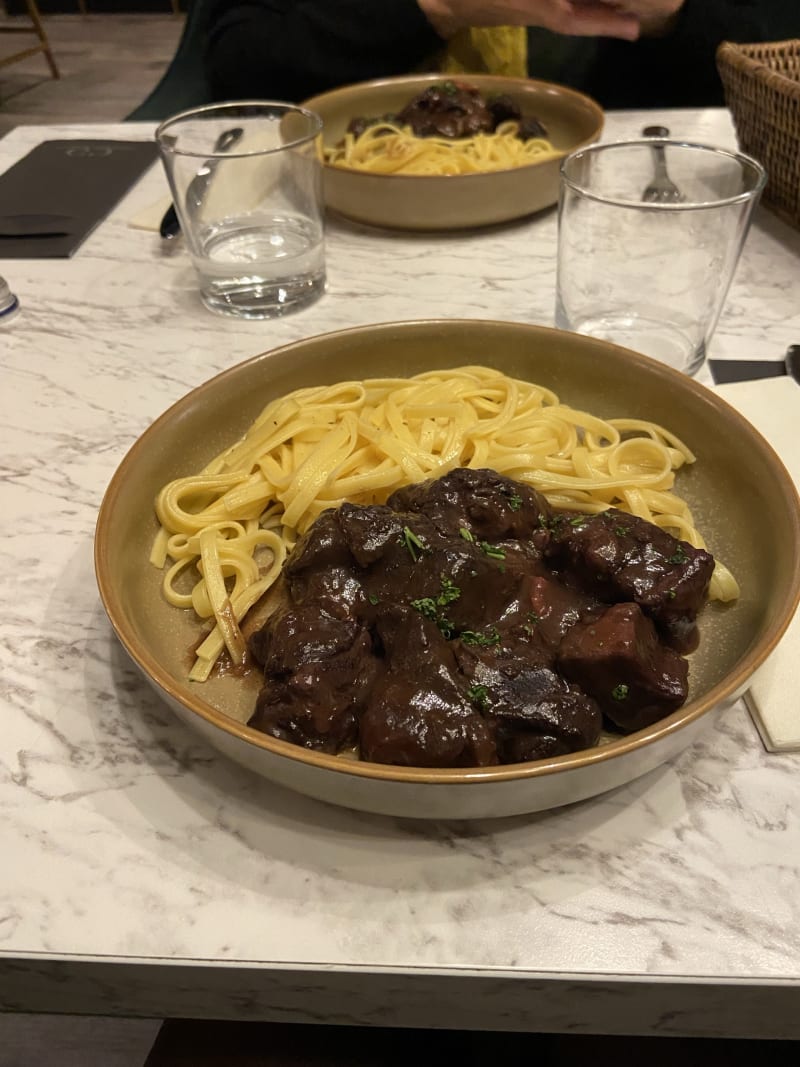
(141, 872)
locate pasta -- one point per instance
(225, 533)
(389, 148)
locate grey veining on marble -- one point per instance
(129, 849)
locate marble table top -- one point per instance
(142, 873)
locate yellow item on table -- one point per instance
(488, 50)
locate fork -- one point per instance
(661, 190)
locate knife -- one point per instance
(747, 370)
(170, 226)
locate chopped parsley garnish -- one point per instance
(449, 593)
(620, 692)
(620, 531)
(479, 695)
(515, 501)
(465, 533)
(425, 606)
(579, 520)
(429, 606)
(671, 594)
(532, 616)
(492, 551)
(485, 640)
(373, 599)
(412, 542)
(679, 556)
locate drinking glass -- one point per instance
(246, 179)
(652, 276)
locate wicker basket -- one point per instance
(762, 90)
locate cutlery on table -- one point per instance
(661, 190)
(8, 301)
(745, 370)
(170, 226)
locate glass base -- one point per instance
(257, 298)
(652, 337)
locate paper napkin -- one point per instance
(772, 405)
(149, 218)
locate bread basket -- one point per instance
(762, 91)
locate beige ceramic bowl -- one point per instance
(413, 202)
(743, 499)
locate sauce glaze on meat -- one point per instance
(453, 110)
(465, 623)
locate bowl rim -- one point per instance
(728, 687)
(590, 104)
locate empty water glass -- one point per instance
(246, 180)
(650, 273)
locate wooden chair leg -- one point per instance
(36, 19)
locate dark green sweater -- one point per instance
(291, 49)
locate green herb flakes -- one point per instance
(412, 542)
(492, 551)
(479, 695)
(484, 640)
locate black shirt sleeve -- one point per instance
(291, 49)
(679, 69)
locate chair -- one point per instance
(183, 84)
(42, 46)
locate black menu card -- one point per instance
(52, 199)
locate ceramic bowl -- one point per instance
(743, 499)
(420, 202)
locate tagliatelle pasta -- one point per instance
(232, 525)
(387, 148)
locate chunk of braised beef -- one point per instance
(418, 713)
(616, 557)
(315, 703)
(537, 714)
(300, 635)
(320, 549)
(618, 659)
(376, 532)
(447, 110)
(531, 129)
(554, 609)
(503, 108)
(486, 504)
(460, 587)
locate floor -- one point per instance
(108, 65)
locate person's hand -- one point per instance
(577, 18)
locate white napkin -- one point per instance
(772, 405)
(236, 186)
(149, 218)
